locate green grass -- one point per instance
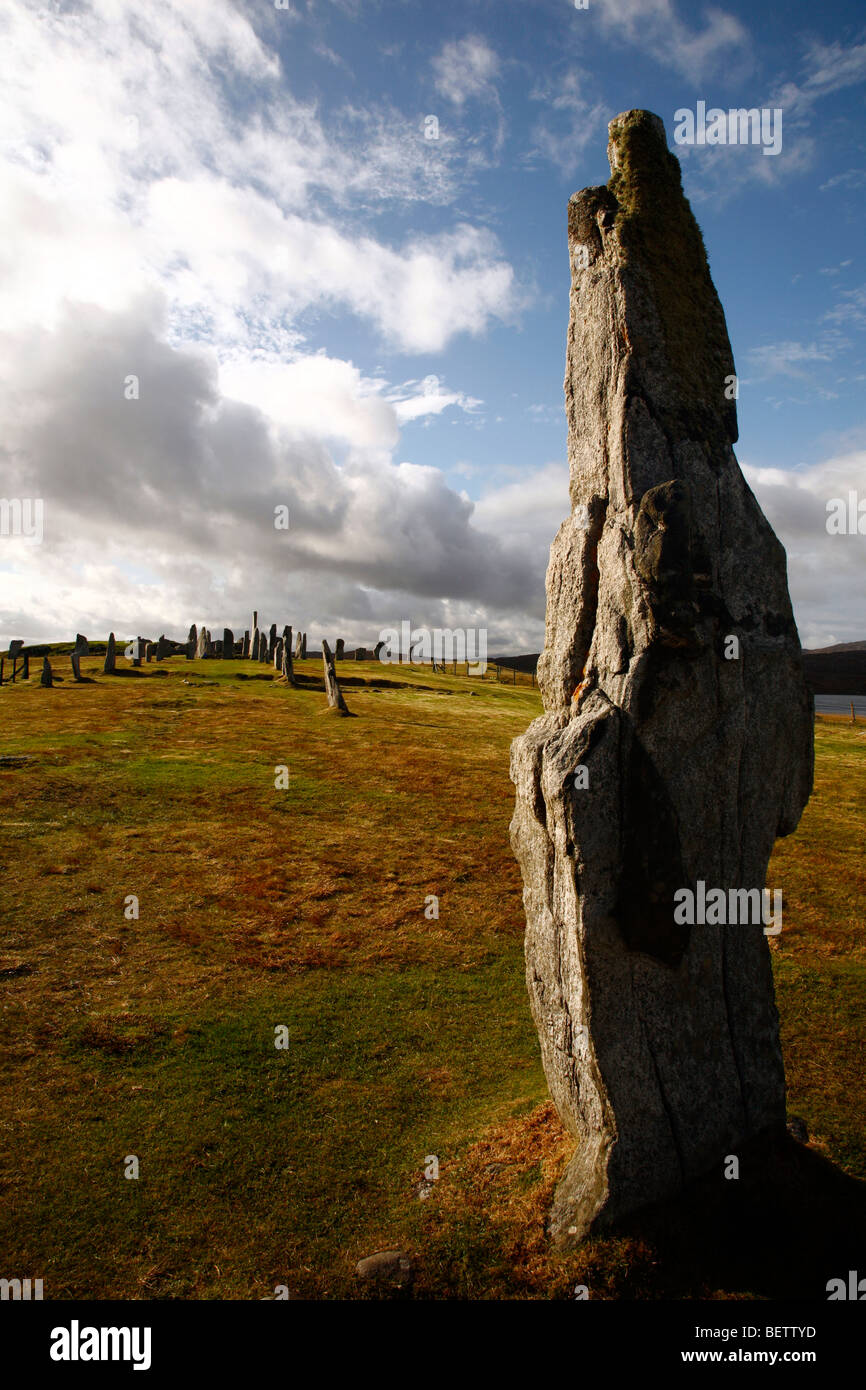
(408, 1036)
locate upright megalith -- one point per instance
(228, 644)
(272, 640)
(109, 665)
(287, 670)
(299, 641)
(332, 685)
(47, 677)
(340, 649)
(677, 739)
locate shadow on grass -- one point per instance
(789, 1224)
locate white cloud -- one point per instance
(125, 163)
(655, 26)
(851, 309)
(826, 573)
(786, 358)
(466, 69)
(175, 493)
(571, 120)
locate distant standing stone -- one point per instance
(46, 678)
(298, 644)
(360, 653)
(272, 639)
(110, 663)
(81, 648)
(228, 644)
(287, 668)
(332, 685)
(340, 649)
(201, 645)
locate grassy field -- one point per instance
(304, 908)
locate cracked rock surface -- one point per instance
(660, 1040)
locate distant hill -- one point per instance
(839, 647)
(521, 663)
(837, 670)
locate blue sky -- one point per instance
(241, 206)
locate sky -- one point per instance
(257, 256)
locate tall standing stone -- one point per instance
(81, 647)
(677, 739)
(46, 677)
(332, 685)
(303, 646)
(110, 664)
(75, 662)
(298, 644)
(201, 644)
(228, 644)
(254, 646)
(263, 647)
(14, 649)
(287, 670)
(272, 640)
(339, 650)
